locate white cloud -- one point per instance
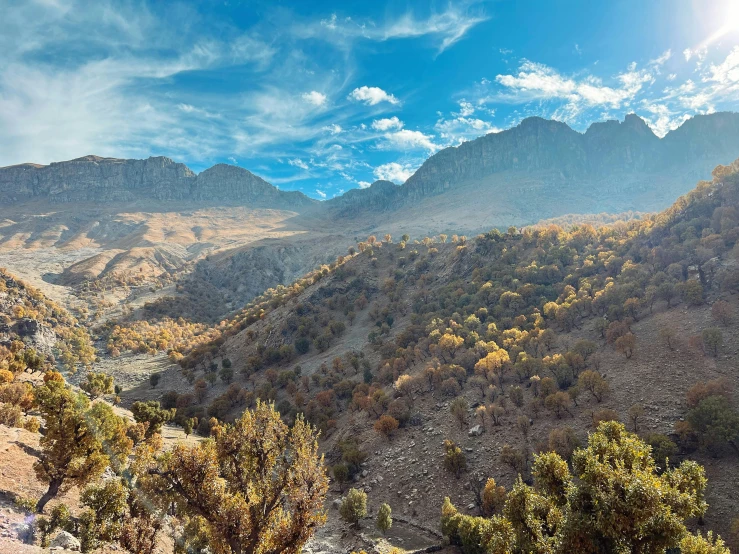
(297, 162)
(727, 72)
(395, 172)
(364, 184)
(387, 124)
(233, 160)
(535, 81)
(334, 129)
(406, 139)
(372, 96)
(321, 193)
(314, 97)
(672, 76)
(466, 109)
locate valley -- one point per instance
(438, 334)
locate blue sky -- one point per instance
(326, 96)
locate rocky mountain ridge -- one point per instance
(610, 157)
(97, 179)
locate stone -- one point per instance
(66, 541)
(475, 431)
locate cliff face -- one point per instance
(105, 180)
(609, 159)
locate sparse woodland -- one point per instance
(508, 334)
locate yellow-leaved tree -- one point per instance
(256, 487)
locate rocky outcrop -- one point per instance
(610, 158)
(106, 180)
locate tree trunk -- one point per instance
(53, 490)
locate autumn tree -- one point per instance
(386, 425)
(594, 382)
(80, 439)
(454, 459)
(257, 486)
(97, 384)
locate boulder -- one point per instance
(66, 541)
(475, 431)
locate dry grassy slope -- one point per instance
(135, 238)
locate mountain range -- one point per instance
(613, 166)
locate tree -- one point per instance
(636, 412)
(558, 403)
(80, 440)
(722, 312)
(354, 507)
(668, 335)
(341, 474)
(458, 408)
(257, 486)
(154, 379)
(713, 338)
(625, 344)
(493, 497)
(384, 518)
(97, 384)
(613, 501)
(454, 459)
(153, 414)
(593, 381)
(715, 422)
(386, 425)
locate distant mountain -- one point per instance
(539, 169)
(96, 179)
(614, 166)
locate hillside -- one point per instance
(507, 344)
(108, 224)
(434, 365)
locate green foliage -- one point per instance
(715, 422)
(59, 518)
(613, 501)
(354, 507)
(151, 413)
(80, 439)
(713, 338)
(384, 518)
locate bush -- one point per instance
(455, 461)
(712, 338)
(384, 518)
(386, 425)
(354, 507)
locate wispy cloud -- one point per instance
(314, 97)
(444, 28)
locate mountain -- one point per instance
(614, 166)
(105, 180)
